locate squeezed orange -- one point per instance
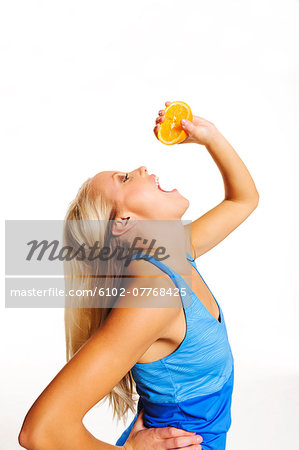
(170, 131)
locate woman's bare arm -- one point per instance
(55, 418)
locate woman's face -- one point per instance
(138, 196)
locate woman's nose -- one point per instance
(143, 170)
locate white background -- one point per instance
(81, 84)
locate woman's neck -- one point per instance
(167, 241)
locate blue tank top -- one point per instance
(192, 387)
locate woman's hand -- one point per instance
(199, 131)
(142, 438)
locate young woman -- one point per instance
(178, 358)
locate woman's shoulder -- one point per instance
(143, 269)
(143, 275)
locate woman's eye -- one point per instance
(125, 178)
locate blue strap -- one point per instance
(176, 277)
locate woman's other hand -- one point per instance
(142, 438)
(199, 131)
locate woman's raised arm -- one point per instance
(241, 196)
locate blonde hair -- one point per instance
(82, 322)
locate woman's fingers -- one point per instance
(188, 442)
(160, 119)
(162, 111)
(191, 447)
(178, 438)
(156, 130)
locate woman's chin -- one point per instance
(182, 205)
(185, 200)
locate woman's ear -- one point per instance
(121, 225)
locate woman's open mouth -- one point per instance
(156, 180)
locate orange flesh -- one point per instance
(170, 131)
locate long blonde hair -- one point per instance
(82, 322)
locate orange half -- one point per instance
(170, 131)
